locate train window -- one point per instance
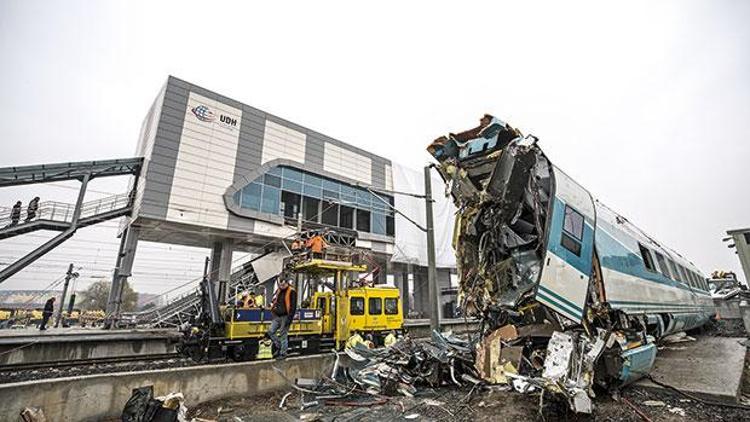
(572, 234)
(697, 280)
(703, 283)
(683, 274)
(375, 306)
(747, 238)
(673, 268)
(322, 305)
(648, 260)
(691, 278)
(357, 306)
(391, 306)
(662, 265)
(573, 223)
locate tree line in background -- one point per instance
(95, 297)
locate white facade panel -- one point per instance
(205, 163)
(388, 177)
(146, 145)
(282, 142)
(347, 163)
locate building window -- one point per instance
(346, 217)
(572, 234)
(286, 191)
(648, 260)
(310, 206)
(357, 306)
(378, 223)
(662, 265)
(292, 204)
(375, 306)
(271, 200)
(330, 214)
(391, 306)
(363, 221)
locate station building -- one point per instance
(227, 176)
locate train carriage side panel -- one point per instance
(570, 245)
(635, 289)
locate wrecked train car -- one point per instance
(570, 294)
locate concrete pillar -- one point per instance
(221, 267)
(403, 286)
(443, 282)
(123, 270)
(421, 291)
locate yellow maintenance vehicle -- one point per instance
(343, 305)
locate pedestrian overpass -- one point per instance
(63, 217)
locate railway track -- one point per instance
(25, 366)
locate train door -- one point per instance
(567, 265)
(324, 305)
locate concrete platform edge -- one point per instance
(94, 397)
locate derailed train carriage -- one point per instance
(570, 294)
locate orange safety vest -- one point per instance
(287, 300)
(317, 244)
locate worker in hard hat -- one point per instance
(390, 339)
(317, 245)
(355, 339)
(247, 300)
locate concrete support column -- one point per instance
(421, 291)
(221, 267)
(443, 282)
(403, 286)
(123, 270)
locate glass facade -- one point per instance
(286, 191)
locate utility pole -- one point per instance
(432, 288)
(68, 276)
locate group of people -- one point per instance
(312, 243)
(368, 341)
(251, 299)
(31, 210)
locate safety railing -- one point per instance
(62, 212)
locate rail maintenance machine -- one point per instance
(331, 313)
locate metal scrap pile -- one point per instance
(445, 359)
(400, 369)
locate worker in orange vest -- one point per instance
(317, 245)
(283, 308)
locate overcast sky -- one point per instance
(647, 105)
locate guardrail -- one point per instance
(62, 212)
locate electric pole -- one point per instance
(68, 276)
(432, 288)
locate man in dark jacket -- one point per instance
(49, 308)
(283, 308)
(32, 209)
(15, 213)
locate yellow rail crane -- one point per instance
(331, 315)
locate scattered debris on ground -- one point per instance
(724, 328)
(487, 405)
(144, 407)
